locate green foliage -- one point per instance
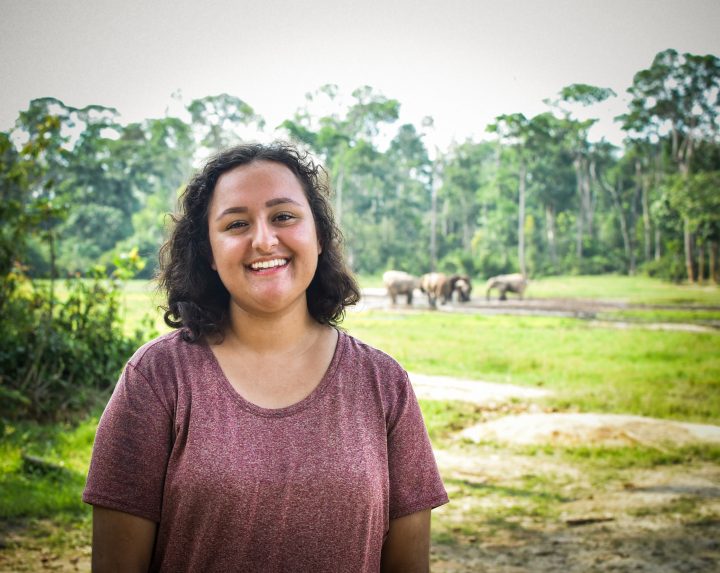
(56, 355)
(543, 199)
(60, 357)
(669, 267)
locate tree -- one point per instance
(345, 141)
(223, 120)
(677, 98)
(516, 129)
(585, 95)
(697, 200)
(470, 203)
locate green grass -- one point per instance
(444, 418)
(646, 315)
(142, 302)
(29, 492)
(611, 458)
(662, 374)
(634, 290)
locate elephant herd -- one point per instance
(441, 287)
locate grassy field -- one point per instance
(672, 375)
(634, 290)
(634, 371)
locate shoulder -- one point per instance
(361, 354)
(167, 347)
(367, 365)
(168, 358)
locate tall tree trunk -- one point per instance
(687, 242)
(581, 215)
(627, 245)
(589, 181)
(684, 152)
(647, 231)
(550, 232)
(433, 221)
(713, 261)
(631, 226)
(701, 262)
(521, 220)
(53, 273)
(658, 249)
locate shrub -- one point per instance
(671, 267)
(60, 356)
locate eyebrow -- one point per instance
(269, 203)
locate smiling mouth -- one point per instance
(274, 263)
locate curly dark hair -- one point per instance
(197, 301)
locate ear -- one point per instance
(320, 249)
(213, 266)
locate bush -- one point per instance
(61, 356)
(671, 267)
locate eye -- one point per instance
(284, 217)
(235, 225)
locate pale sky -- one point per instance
(463, 62)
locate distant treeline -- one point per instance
(78, 187)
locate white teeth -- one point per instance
(268, 264)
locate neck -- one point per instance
(282, 333)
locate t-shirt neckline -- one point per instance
(307, 401)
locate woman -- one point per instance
(257, 436)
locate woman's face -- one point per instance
(263, 238)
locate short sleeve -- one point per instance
(415, 482)
(131, 450)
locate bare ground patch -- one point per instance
(519, 505)
(45, 546)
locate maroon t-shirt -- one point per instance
(237, 487)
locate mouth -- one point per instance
(271, 264)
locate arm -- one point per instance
(121, 542)
(407, 546)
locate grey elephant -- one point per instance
(461, 285)
(436, 286)
(515, 282)
(399, 283)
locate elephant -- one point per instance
(461, 285)
(436, 286)
(516, 283)
(400, 283)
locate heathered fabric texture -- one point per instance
(237, 487)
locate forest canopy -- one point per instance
(78, 187)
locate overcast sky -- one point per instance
(463, 62)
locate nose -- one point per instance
(264, 237)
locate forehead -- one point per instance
(258, 178)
